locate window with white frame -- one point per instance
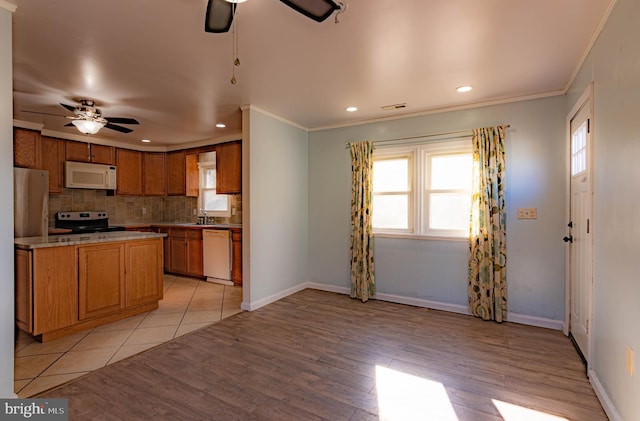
(208, 200)
(423, 190)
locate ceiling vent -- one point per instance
(394, 106)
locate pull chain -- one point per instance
(236, 60)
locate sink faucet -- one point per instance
(202, 219)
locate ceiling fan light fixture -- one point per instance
(88, 126)
(235, 1)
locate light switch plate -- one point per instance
(527, 213)
(630, 362)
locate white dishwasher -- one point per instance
(216, 250)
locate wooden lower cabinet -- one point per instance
(66, 289)
(143, 280)
(46, 289)
(236, 259)
(101, 279)
(185, 252)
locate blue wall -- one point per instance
(277, 205)
(613, 66)
(436, 270)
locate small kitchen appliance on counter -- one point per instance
(85, 222)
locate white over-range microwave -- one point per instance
(83, 175)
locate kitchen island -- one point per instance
(69, 283)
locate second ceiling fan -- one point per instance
(220, 12)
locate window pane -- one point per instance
(449, 211)
(391, 175)
(209, 178)
(579, 150)
(391, 211)
(451, 171)
(213, 201)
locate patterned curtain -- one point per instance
(362, 278)
(487, 288)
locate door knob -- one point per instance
(568, 239)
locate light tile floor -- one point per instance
(188, 304)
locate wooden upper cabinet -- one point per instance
(86, 152)
(52, 153)
(154, 174)
(26, 148)
(229, 168)
(77, 151)
(129, 165)
(176, 174)
(192, 176)
(101, 154)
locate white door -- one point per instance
(579, 239)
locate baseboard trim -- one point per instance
(525, 319)
(603, 397)
(419, 302)
(412, 301)
(254, 305)
(437, 305)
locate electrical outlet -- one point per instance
(630, 362)
(195, 212)
(144, 211)
(527, 213)
(233, 210)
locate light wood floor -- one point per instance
(322, 356)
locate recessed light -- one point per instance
(221, 125)
(145, 141)
(465, 88)
(351, 109)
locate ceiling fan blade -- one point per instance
(118, 128)
(219, 16)
(121, 120)
(38, 112)
(317, 10)
(69, 107)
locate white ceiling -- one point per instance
(152, 60)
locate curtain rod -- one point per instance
(454, 134)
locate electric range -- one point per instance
(85, 222)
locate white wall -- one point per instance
(278, 207)
(614, 67)
(7, 322)
(436, 271)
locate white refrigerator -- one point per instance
(30, 202)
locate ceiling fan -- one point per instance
(88, 118)
(220, 12)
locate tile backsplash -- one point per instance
(133, 209)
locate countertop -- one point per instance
(184, 225)
(28, 243)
